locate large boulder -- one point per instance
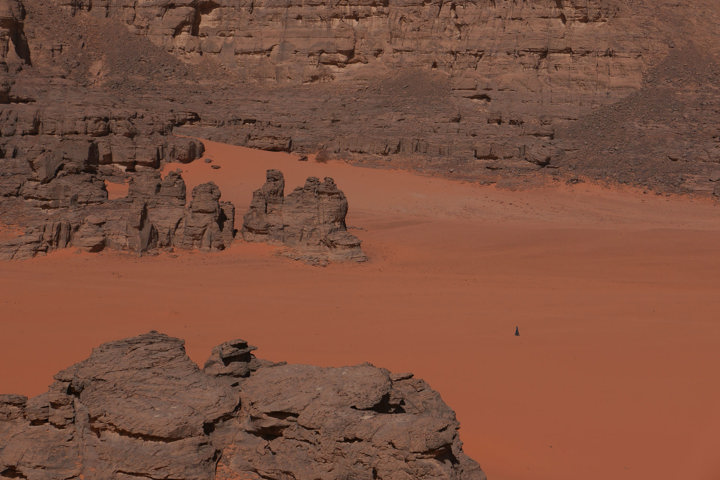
(136, 407)
(140, 407)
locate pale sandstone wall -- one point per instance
(549, 51)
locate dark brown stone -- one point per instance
(140, 407)
(310, 220)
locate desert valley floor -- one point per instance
(614, 291)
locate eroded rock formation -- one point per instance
(59, 147)
(310, 220)
(140, 407)
(153, 215)
(62, 142)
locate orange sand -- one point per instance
(116, 190)
(615, 293)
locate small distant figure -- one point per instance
(517, 331)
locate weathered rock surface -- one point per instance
(14, 49)
(492, 90)
(310, 220)
(61, 143)
(152, 216)
(140, 407)
(59, 147)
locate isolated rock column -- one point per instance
(310, 220)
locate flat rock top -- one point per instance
(292, 388)
(147, 385)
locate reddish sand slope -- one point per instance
(616, 295)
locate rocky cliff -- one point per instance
(477, 43)
(62, 144)
(140, 408)
(478, 89)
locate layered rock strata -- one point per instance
(310, 220)
(489, 89)
(14, 50)
(140, 407)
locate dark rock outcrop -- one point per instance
(54, 167)
(233, 360)
(310, 220)
(60, 145)
(140, 408)
(152, 216)
(208, 223)
(14, 49)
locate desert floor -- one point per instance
(616, 294)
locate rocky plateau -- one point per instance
(140, 408)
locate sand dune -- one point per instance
(615, 293)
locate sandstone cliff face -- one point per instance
(14, 51)
(59, 149)
(478, 42)
(310, 220)
(60, 143)
(513, 72)
(488, 90)
(140, 408)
